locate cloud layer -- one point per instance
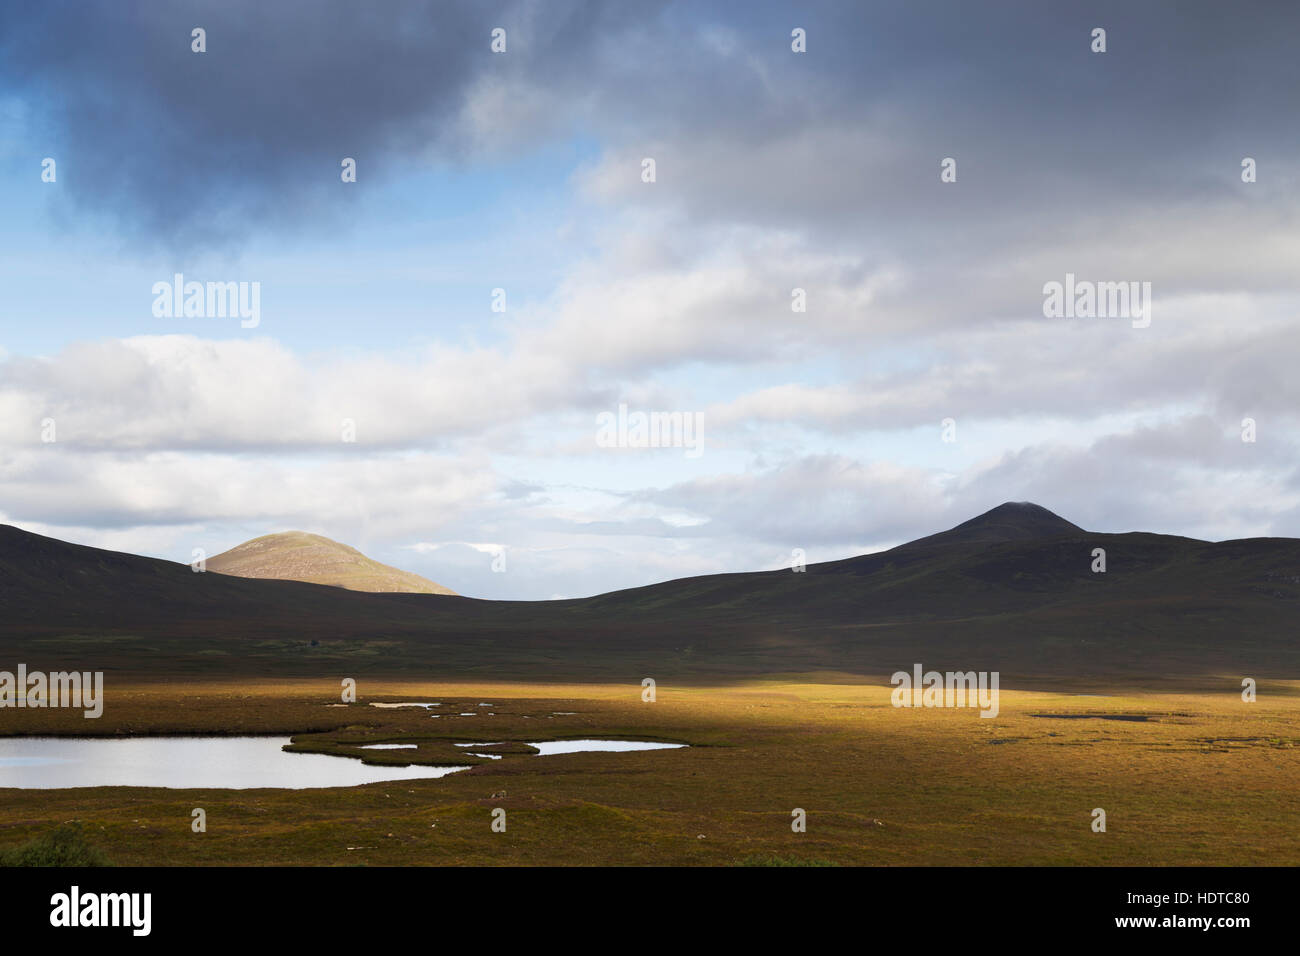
(775, 172)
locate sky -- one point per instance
(437, 343)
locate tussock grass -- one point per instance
(63, 846)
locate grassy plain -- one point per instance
(1193, 775)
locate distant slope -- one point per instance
(1012, 590)
(315, 559)
(1012, 521)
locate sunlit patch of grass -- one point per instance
(881, 785)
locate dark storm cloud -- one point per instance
(186, 146)
(850, 135)
(192, 147)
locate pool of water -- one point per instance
(1138, 718)
(393, 706)
(235, 763)
(547, 747)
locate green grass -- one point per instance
(63, 846)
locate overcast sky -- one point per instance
(476, 430)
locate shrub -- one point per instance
(62, 846)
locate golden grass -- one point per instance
(1207, 779)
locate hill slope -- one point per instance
(315, 559)
(1012, 590)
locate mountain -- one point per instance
(1012, 521)
(315, 559)
(1011, 590)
